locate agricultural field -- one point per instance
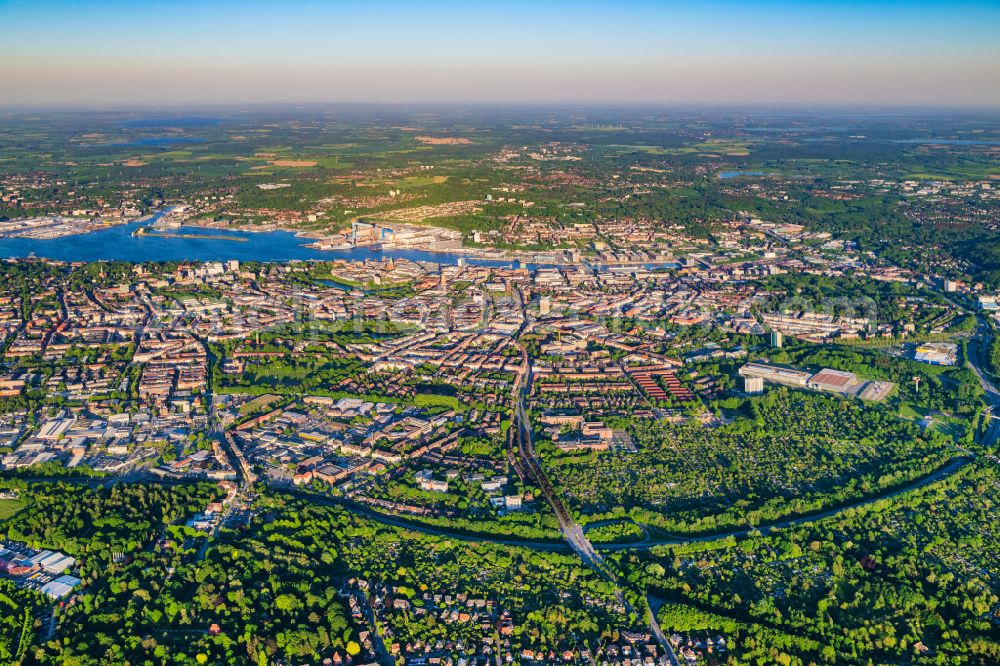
(467, 386)
(504, 172)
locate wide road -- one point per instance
(978, 349)
(571, 530)
(677, 540)
(575, 540)
(416, 526)
(577, 537)
(564, 546)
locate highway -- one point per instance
(415, 526)
(943, 472)
(978, 359)
(571, 530)
(525, 461)
(521, 455)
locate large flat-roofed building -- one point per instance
(828, 379)
(55, 428)
(753, 385)
(60, 587)
(776, 374)
(937, 353)
(56, 563)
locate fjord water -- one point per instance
(118, 244)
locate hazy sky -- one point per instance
(88, 52)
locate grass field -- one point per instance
(8, 507)
(943, 423)
(715, 147)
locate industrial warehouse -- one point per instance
(827, 379)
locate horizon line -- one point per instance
(492, 104)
